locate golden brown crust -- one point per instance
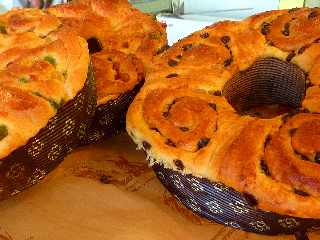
(284, 31)
(29, 20)
(180, 113)
(115, 73)
(41, 67)
(120, 29)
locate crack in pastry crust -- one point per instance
(116, 73)
(260, 157)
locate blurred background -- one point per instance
(186, 16)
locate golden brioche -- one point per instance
(116, 73)
(41, 67)
(189, 115)
(114, 27)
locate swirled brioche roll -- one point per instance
(238, 103)
(123, 41)
(43, 68)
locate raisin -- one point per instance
(165, 114)
(301, 193)
(170, 143)
(225, 39)
(252, 201)
(172, 75)
(290, 56)
(286, 31)
(303, 157)
(302, 49)
(317, 40)
(227, 62)
(204, 35)
(146, 145)
(203, 142)
(217, 93)
(172, 63)
(265, 168)
(265, 28)
(156, 129)
(213, 106)
(179, 164)
(184, 129)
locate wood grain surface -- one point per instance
(107, 191)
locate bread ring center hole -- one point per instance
(268, 88)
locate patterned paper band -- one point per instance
(109, 119)
(30, 163)
(224, 205)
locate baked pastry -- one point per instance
(236, 104)
(43, 70)
(122, 41)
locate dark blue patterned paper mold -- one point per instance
(30, 163)
(217, 202)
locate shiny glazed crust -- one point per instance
(181, 119)
(120, 29)
(115, 73)
(41, 67)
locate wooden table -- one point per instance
(73, 203)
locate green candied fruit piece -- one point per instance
(50, 60)
(24, 80)
(3, 131)
(3, 29)
(62, 102)
(54, 104)
(51, 101)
